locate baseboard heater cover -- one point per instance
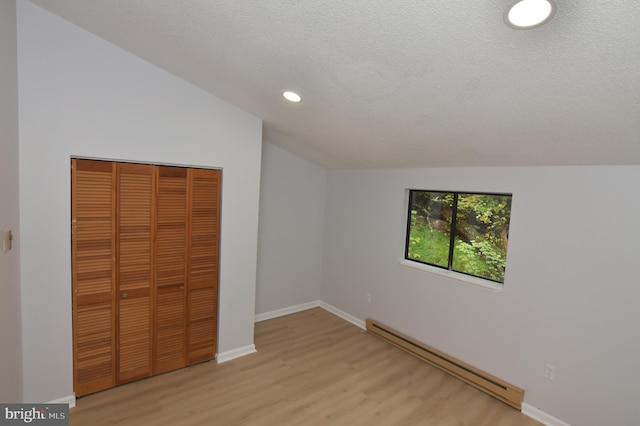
(498, 388)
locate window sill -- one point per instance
(465, 279)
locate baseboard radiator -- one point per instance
(487, 383)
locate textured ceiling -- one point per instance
(401, 84)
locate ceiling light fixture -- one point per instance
(292, 96)
(526, 14)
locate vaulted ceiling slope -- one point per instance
(401, 84)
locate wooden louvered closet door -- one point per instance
(203, 263)
(93, 275)
(145, 270)
(171, 271)
(135, 266)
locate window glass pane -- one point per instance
(482, 235)
(430, 227)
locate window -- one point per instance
(458, 231)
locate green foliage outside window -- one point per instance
(476, 245)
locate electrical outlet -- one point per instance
(550, 372)
(367, 297)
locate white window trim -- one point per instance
(457, 276)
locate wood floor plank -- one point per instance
(311, 368)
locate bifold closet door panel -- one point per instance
(203, 264)
(135, 260)
(171, 255)
(93, 275)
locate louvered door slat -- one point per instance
(93, 270)
(203, 264)
(135, 270)
(170, 330)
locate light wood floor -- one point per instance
(311, 368)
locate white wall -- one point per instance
(81, 96)
(290, 238)
(571, 296)
(11, 347)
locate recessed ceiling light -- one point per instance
(525, 14)
(292, 96)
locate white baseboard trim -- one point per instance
(70, 399)
(541, 416)
(342, 314)
(286, 311)
(235, 353)
(303, 307)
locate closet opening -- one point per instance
(145, 259)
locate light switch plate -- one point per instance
(6, 240)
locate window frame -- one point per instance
(448, 271)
